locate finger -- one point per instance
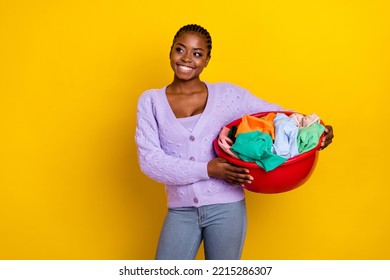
(247, 180)
(236, 169)
(328, 130)
(240, 178)
(326, 142)
(328, 138)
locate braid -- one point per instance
(198, 29)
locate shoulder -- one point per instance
(149, 94)
(227, 87)
(149, 99)
(229, 91)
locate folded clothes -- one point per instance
(255, 146)
(286, 132)
(308, 137)
(251, 123)
(304, 121)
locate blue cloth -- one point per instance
(255, 146)
(286, 133)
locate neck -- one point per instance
(191, 86)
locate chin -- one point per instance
(185, 77)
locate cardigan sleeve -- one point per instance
(153, 161)
(253, 104)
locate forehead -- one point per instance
(191, 39)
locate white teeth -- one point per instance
(185, 68)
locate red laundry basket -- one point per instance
(288, 176)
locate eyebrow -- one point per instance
(200, 49)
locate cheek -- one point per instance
(172, 60)
(202, 63)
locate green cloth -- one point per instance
(232, 133)
(309, 136)
(255, 146)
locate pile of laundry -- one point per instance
(271, 140)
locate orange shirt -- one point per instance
(251, 123)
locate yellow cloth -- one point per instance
(251, 123)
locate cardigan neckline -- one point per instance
(204, 115)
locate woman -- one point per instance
(175, 129)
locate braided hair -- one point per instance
(198, 29)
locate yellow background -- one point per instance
(70, 76)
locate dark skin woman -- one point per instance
(175, 128)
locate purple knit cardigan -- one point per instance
(176, 157)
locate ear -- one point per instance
(207, 61)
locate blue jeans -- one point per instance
(222, 227)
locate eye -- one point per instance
(198, 54)
(179, 50)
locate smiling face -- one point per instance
(189, 56)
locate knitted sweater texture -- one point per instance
(176, 157)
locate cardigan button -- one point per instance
(192, 158)
(196, 200)
(192, 137)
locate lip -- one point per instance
(185, 68)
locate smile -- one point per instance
(185, 68)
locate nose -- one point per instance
(186, 58)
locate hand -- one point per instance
(328, 136)
(222, 169)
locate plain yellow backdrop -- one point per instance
(70, 76)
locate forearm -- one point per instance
(159, 165)
(170, 170)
